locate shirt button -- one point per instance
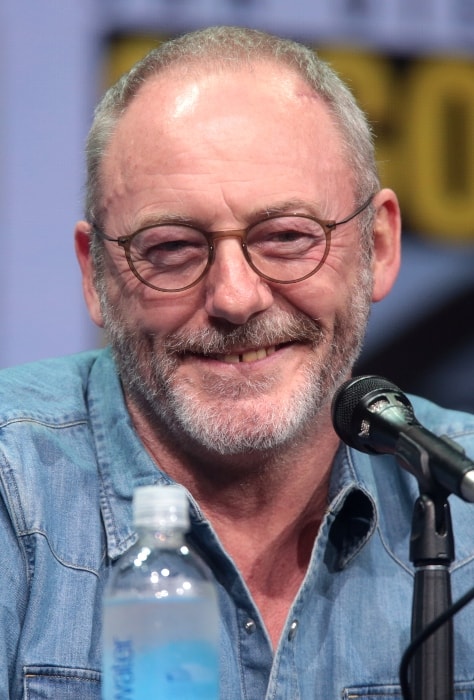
(292, 631)
(250, 626)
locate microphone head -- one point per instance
(356, 406)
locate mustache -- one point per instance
(275, 329)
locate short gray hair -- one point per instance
(224, 48)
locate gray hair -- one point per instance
(224, 48)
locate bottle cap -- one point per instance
(161, 506)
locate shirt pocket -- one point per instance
(59, 683)
(373, 692)
(462, 691)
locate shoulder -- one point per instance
(48, 464)
(456, 425)
(47, 388)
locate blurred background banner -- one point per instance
(410, 64)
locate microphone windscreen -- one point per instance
(347, 400)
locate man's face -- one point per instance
(234, 363)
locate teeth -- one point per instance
(249, 356)
(230, 359)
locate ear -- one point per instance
(82, 240)
(387, 243)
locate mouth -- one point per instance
(257, 341)
(238, 356)
(246, 356)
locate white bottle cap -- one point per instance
(161, 507)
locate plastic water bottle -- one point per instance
(160, 622)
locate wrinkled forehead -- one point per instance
(218, 127)
(184, 97)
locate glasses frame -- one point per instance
(328, 226)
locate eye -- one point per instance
(286, 236)
(169, 245)
(291, 236)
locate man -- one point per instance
(234, 238)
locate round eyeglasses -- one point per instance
(172, 257)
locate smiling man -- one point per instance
(238, 360)
(235, 236)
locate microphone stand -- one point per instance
(431, 552)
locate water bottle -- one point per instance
(160, 612)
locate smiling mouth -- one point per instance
(247, 356)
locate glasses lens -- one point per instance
(169, 257)
(287, 248)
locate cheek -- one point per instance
(319, 300)
(146, 310)
(330, 295)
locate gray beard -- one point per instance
(228, 418)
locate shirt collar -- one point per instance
(352, 513)
(123, 462)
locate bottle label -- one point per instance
(164, 650)
(122, 668)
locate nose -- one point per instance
(234, 292)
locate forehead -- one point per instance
(238, 125)
(176, 94)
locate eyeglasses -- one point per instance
(172, 257)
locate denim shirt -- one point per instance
(69, 461)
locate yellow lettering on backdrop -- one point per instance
(439, 154)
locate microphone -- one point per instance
(373, 415)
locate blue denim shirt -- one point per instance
(69, 461)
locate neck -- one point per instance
(265, 508)
(254, 477)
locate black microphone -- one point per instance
(373, 415)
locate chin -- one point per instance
(239, 423)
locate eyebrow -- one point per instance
(150, 220)
(289, 206)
